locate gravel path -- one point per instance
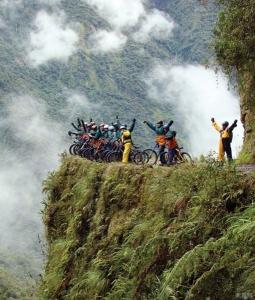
(246, 168)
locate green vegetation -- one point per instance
(130, 232)
(11, 288)
(18, 276)
(234, 45)
(114, 81)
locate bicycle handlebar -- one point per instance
(83, 125)
(76, 128)
(70, 133)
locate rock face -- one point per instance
(127, 232)
(247, 93)
(234, 45)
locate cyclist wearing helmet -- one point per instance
(93, 130)
(111, 133)
(161, 130)
(126, 140)
(105, 131)
(226, 137)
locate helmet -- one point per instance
(101, 125)
(111, 128)
(106, 126)
(94, 126)
(92, 123)
(115, 124)
(225, 124)
(122, 127)
(160, 123)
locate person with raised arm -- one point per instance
(226, 137)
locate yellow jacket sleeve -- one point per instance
(216, 126)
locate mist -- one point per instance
(35, 142)
(51, 39)
(128, 20)
(195, 94)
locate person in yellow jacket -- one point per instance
(126, 140)
(226, 136)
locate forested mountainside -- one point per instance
(41, 93)
(235, 52)
(112, 80)
(129, 232)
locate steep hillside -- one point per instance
(235, 52)
(118, 232)
(38, 101)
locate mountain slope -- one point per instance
(114, 80)
(119, 232)
(234, 47)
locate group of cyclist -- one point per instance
(109, 135)
(117, 132)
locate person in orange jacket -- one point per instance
(226, 137)
(161, 130)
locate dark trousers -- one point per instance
(227, 148)
(171, 154)
(161, 150)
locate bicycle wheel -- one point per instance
(71, 149)
(164, 158)
(140, 158)
(152, 156)
(76, 149)
(186, 158)
(114, 156)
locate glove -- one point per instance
(171, 122)
(134, 120)
(145, 122)
(235, 121)
(91, 120)
(69, 133)
(117, 117)
(213, 120)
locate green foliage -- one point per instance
(235, 34)
(11, 288)
(234, 46)
(132, 232)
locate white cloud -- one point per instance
(36, 140)
(51, 39)
(77, 105)
(107, 41)
(23, 166)
(10, 3)
(2, 23)
(119, 13)
(128, 19)
(196, 94)
(155, 24)
(50, 2)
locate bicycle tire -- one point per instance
(152, 156)
(71, 149)
(186, 157)
(140, 158)
(164, 158)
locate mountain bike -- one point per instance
(179, 158)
